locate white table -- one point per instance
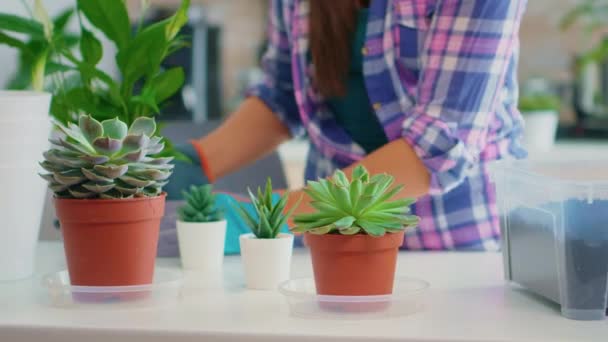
(468, 302)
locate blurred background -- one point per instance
(563, 68)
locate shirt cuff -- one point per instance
(446, 157)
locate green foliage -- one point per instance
(539, 102)
(593, 14)
(200, 205)
(36, 49)
(363, 206)
(106, 159)
(268, 218)
(78, 85)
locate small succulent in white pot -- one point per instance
(266, 252)
(201, 230)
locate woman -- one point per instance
(424, 90)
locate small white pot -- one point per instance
(267, 262)
(201, 245)
(540, 129)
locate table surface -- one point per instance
(468, 301)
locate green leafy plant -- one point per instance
(33, 47)
(79, 86)
(539, 102)
(106, 160)
(593, 14)
(268, 218)
(200, 205)
(363, 206)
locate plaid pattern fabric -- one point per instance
(440, 74)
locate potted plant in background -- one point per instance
(25, 128)
(541, 117)
(79, 85)
(266, 252)
(201, 230)
(590, 68)
(355, 234)
(77, 82)
(108, 184)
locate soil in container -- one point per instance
(585, 245)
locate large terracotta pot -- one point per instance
(110, 242)
(354, 265)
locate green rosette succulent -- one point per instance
(361, 206)
(200, 205)
(106, 160)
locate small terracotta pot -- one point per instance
(110, 242)
(354, 265)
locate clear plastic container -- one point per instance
(304, 302)
(554, 220)
(165, 290)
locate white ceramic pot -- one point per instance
(201, 245)
(540, 129)
(21, 206)
(267, 262)
(22, 155)
(20, 105)
(24, 129)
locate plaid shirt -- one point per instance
(440, 74)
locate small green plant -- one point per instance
(539, 102)
(268, 219)
(106, 160)
(200, 205)
(363, 206)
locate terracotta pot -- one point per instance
(354, 265)
(110, 242)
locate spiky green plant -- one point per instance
(363, 206)
(200, 205)
(268, 218)
(106, 160)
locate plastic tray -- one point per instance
(407, 298)
(165, 289)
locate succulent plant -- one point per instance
(269, 216)
(106, 160)
(200, 205)
(360, 206)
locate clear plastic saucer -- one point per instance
(165, 289)
(304, 302)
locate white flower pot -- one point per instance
(267, 262)
(21, 105)
(21, 207)
(24, 130)
(201, 245)
(540, 129)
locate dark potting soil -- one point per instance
(586, 247)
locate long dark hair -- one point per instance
(332, 25)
